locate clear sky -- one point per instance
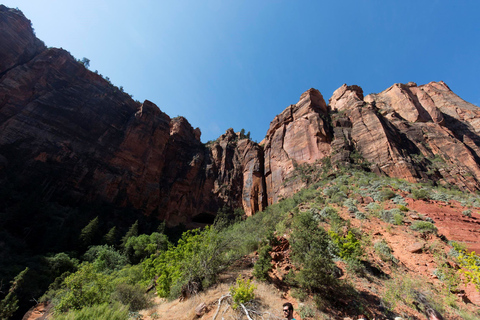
(223, 63)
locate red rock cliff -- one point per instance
(76, 138)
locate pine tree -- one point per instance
(9, 304)
(132, 232)
(89, 233)
(111, 236)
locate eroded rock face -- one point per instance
(74, 138)
(298, 135)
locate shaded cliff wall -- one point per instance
(76, 138)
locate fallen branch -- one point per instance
(219, 304)
(246, 312)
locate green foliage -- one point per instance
(105, 311)
(424, 227)
(105, 258)
(131, 295)
(310, 253)
(198, 256)
(263, 264)
(85, 62)
(306, 311)
(467, 213)
(384, 251)
(386, 194)
(90, 232)
(470, 264)
(420, 194)
(408, 290)
(348, 246)
(142, 246)
(84, 288)
(393, 216)
(403, 208)
(111, 237)
(9, 304)
(373, 208)
(242, 292)
(132, 232)
(61, 263)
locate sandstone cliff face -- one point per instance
(417, 133)
(79, 139)
(76, 138)
(298, 135)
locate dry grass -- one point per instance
(269, 300)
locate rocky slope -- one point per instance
(73, 137)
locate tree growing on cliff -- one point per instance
(132, 232)
(9, 304)
(111, 236)
(85, 62)
(90, 232)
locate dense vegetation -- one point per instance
(106, 273)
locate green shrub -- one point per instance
(105, 258)
(424, 227)
(355, 266)
(114, 311)
(403, 208)
(373, 207)
(132, 296)
(348, 246)
(384, 251)
(393, 216)
(470, 264)
(397, 219)
(84, 288)
(306, 311)
(263, 264)
(420, 194)
(140, 247)
(61, 263)
(198, 257)
(242, 292)
(386, 194)
(310, 253)
(9, 304)
(467, 213)
(299, 294)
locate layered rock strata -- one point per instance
(73, 137)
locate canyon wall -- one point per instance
(73, 137)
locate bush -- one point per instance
(105, 258)
(386, 194)
(424, 227)
(84, 288)
(198, 257)
(132, 296)
(467, 213)
(420, 194)
(310, 253)
(263, 264)
(306, 311)
(140, 247)
(470, 264)
(384, 251)
(242, 292)
(9, 304)
(348, 246)
(393, 216)
(61, 263)
(115, 311)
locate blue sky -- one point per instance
(237, 64)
